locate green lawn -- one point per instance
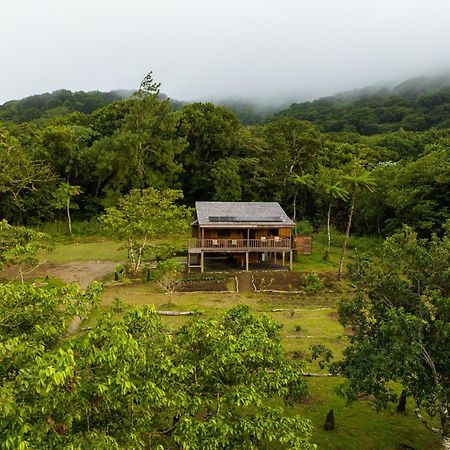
(358, 426)
(86, 249)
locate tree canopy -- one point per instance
(400, 320)
(132, 383)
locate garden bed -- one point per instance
(293, 281)
(206, 283)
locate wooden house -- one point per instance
(249, 232)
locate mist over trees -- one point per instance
(206, 151)
(373, 165)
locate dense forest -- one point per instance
(415, 105)
(115, 366)
(89, 157)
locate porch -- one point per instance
(246, 252)
(262, 244)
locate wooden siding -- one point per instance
(303, 245)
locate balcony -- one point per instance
(277, 244)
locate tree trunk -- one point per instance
(328, 228)
(69, 219)
(347, 234)
(294, 206)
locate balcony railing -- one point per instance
(242, 244)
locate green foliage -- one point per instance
(313, 283)
(131, 383)
(202, 149)
(376, 112)
(401, 324)
(321, 354)
(21, 173)
(211, 133)
(143, 215)
(304, 228)
(58, 103)
(226, 180)
(20, 245)
(168, 276)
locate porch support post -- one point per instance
(203, 237)
(290, 260)
(282, 257)
(246, 261)
(189, 262)
(275, 257)
(202, 261)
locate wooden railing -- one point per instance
(240, 244)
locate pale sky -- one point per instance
(205, 49)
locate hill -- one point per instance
(58, 103)
(415, 105)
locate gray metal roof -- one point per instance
(242, 214)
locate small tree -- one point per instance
(20, 246)
(63, 196)
(145, 215)
(169, 278)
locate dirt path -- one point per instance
(82, 273)
(245, 282)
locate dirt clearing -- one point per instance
(82, 272)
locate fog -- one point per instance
(261, 50)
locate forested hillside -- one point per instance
(137, 363)
(57, 103)
(90, 159)
(415, 105)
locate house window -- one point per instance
(274, 232)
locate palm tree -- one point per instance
(356, 182)
(306, 181)
(334, 191)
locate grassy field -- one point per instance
(358, 426)
(310, 319)
(86, 249)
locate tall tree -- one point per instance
(226, 180)
(359, 180)
(211, 133)
(20, 173)
(20, 246)
(329, 185)
(400, 320)
(143, 152)
(291, 148)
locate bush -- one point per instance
(304, 227)
(313, 283)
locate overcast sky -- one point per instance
(204, 49)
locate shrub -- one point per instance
(313, 283)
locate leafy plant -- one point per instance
(313, 283)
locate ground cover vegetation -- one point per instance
(101, 367)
